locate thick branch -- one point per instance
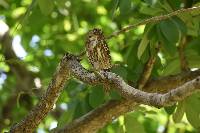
(128, 91)
(155, 99)
(70, 64)
(153, 20)
(23, 76)
(92, 121)
(37, 114)
(96, 119)
(99, 117)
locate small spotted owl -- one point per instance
(97, 50)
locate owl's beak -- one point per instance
(94, 41)
(93, 38)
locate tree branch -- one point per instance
(37, 114)
(127, 91)
(70, 65)
(23, 76)
(97, 118)
(155, 99)
(147, 70)
(153, 19)
(181, 48)
(92, 121)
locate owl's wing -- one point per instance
(103, 55)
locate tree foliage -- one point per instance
(46, 29)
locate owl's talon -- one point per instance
(106, 86)
(99, 75)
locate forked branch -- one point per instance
(70, 66)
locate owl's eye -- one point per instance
(95, 31)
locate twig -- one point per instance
(153, 19)
(37, 114)
(167, 125)
(181, 48)
(147, 70)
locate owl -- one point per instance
(97, 50)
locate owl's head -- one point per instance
(95, 34)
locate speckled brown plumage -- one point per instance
(97, 50)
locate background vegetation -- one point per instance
(43, 30)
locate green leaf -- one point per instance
(180, 110)
(61, 3)
(195, 4)
(96, 97)
(131, 54)
(145, 40)
(150, 2)
(152, 33)
(170, 31)
(68, 115)
(121, 71)
(193, 110)
(180, 24)
(194, 46)
(125, 7)
(82, 107)
(152, 11)
(46, 6)
(151, 125)
(168, 46)
(193, 58)
(193, 28)
(173, 67)
(64, 97)
(175, 4)
(145, 56)
(132, 125)
(170, 110)
(115, 95)
(116, 4)
(142, 46)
